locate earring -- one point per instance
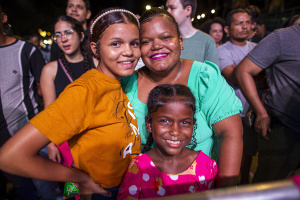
(182, 48)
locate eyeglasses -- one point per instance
(67, 34)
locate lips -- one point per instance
(67, 47)
(158, 56)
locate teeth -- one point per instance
(173, 142)
(158, 55)
(128, 62)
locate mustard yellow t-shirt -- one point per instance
(93, 113)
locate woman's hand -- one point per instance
(53, 153)
(89, 187)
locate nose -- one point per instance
(175, 130)
(168, 9)
(127, 50)
(156, 45)
(63, 38)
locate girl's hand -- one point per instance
(53, 153)
(89, 187)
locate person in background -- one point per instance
(215, 28)
(173, 168)
(219, 129)
(81, 11)
(254, 13)
(261, 29)
(197, 45)
(292, 21)
(278, 118)
(238, 26)
(21, 65)
(36, 41)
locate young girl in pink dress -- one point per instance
(169, 168)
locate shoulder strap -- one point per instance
(66, 72)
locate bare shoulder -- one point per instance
(50, 69)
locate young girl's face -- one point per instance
(119, 50)
(67, 39)
(172, 127)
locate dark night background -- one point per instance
(27, 16)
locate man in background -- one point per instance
(197, 45)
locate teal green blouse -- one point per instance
(215, 100)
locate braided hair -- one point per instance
(76, 26)
(163, 94)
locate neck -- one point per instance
(84, 26)
(166, 77)
(6, 40)
(75, 57)
(238, 43)
(186, 29)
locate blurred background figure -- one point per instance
(254, 13)
(215, 28)
(261, 29)
(292, 21)
(36, 41)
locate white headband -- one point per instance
(111, 11)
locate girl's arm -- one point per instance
(49, 95)
(230, 133)
(19, 155)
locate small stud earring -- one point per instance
(182, 48)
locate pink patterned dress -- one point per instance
(144, 180)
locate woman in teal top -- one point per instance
(218, 130)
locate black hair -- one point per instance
(192, 3)
(229, 17)
(254, 13)
(104, 22)
(291, 21)
(76, 26)
(148, 15)
(163, 94)
(206, 26)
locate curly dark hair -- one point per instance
(206, 26)
(76, 26)
(163, 94)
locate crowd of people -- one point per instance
(190, 120)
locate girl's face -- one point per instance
(216, 32)
(160, 44)
(119, 50)
(67, 39)
(171, 127)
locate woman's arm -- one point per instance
(230, 133)
(49, 95)
(19, 155)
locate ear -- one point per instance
(181, 42)
(188, 11)
(82, 37)
(3, 18)
(88, 14)
(94, 48)
(148, 123)
(226, 29)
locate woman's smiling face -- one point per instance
(160, 44)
